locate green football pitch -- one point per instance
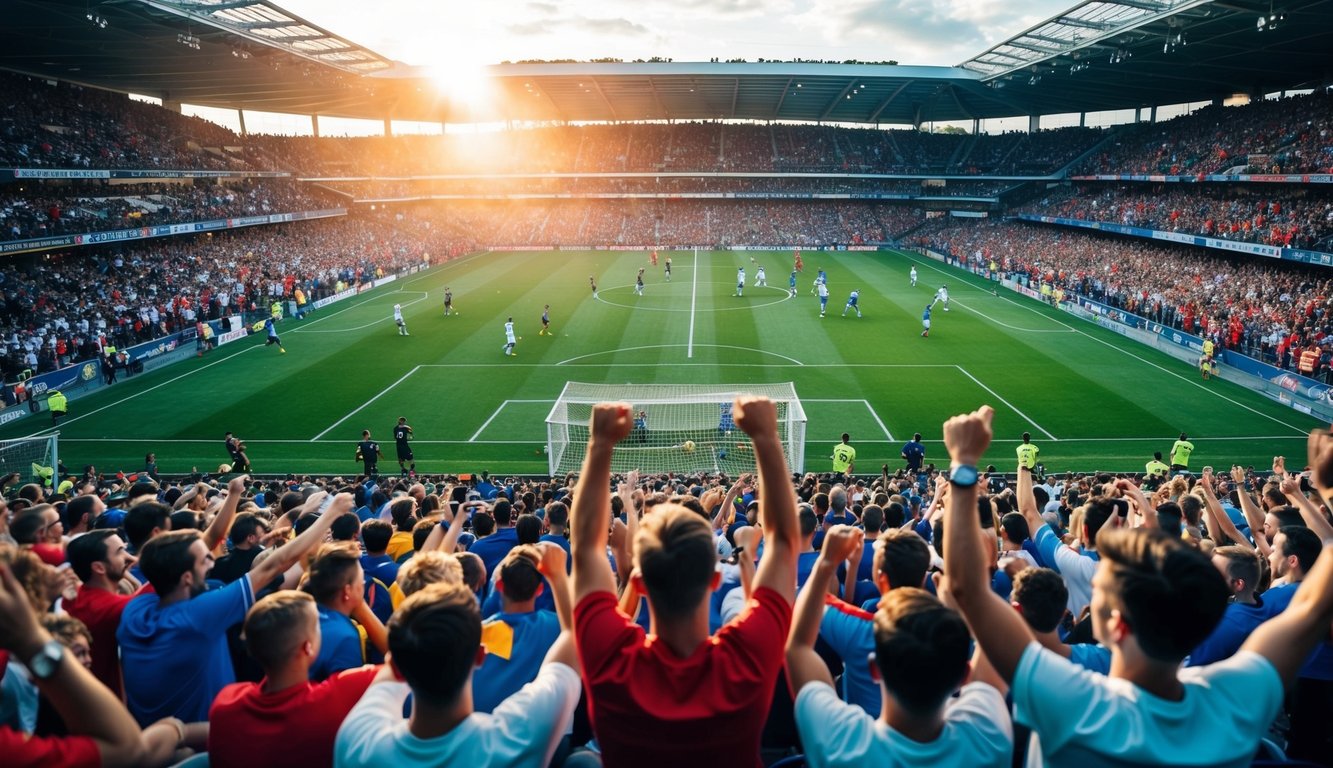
(1090, 398)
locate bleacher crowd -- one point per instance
(79, 303)
(917, 617)
(1267, 310)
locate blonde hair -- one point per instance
(426, 568)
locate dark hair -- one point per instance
(1015, 527)
(557, 513)
(474, 570)
(1169, 517)
(333, 568)
(872, 518)
(245, 525)
(27, 523)
(1042, 596)
(921, 649)
(1242, 564)
(805, 516)
(376, 534)
(503, 513)
(421, 532)
(1302, 543)
(1168, 592)
(87, 549)
(185, 520)
(274, 627)
(78, 508)
(434, 636)
(1287, 517)
(903, 558)
(345, 528)
(528, 528)
(1191, 507)
(675, 552)
(143, 518)
(401, 512)
(894, 515)
(519, 574)
(165, 558)
(1095, 514)
(483, 524)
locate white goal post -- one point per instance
(679, 428)
(35, 459)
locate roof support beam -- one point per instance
(1045, 39)
(735, 93)
(837, 99)
(1070, 21)
(605, 100)
(657, 96)
(777, 110)
(1032, 47)
(1143, 5)
(223, 6)
(883, 105)
(270, 24)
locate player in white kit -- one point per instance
(398, 318)
(942, 296)
(509, 338)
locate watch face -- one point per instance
(964, 476)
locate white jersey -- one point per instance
(509, 333)
(912, 274)
(740, 276)
(398, 312)
(760, 277)
(942, 294)
(823, 291)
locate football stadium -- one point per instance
(428, 385)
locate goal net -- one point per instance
(35, 459)
(679, 428)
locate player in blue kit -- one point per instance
(925, 320)
(852, 303)
(791, 284)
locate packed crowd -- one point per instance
(1299, 218)
(77, 304)
(681, 223)
(917, 617)
(684, 147)
(35, 209)
(1269, 310)
(774, 187)
(67, 126)
(1293, 135)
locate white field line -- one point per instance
(887, 434)
(424, 296)
(1143, 360)
(127, 398)
(694, 292)
(1010, 405)
(362, 406)
(495, 413)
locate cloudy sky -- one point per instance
(476, 32)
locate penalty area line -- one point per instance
(363, 406)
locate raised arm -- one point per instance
(803, 664)
(759, 418)
(1001, 632)
(1220, 527)
(1291, 488)
(1147, 510)
(86, 706)
(590, 516)
(289, 554)
(217, 530)
(552, 566)
(728, 508)
(1286, 639)
(747, 538)
(1254, 516)
(853, 570)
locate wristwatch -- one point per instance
(963, 476)
(47, 660)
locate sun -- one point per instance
(461, 78)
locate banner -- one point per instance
(339, 296)
(1268, 178)
(145, 173)
(1202, 241)
(161, 230)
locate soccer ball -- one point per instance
(688, 447)
(520, 338)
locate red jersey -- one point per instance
(294, 726)
(650, 707)
(100, 610)
(66, 751)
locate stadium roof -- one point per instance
(1099, 55)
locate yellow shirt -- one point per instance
(400, 544)
(1156, 467)
(843, 457)
(1180, 453)
(1027, 455)
(1208, 347)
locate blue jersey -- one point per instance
(926, 315)
(851, 300)
(272, 330)
(791, 281)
